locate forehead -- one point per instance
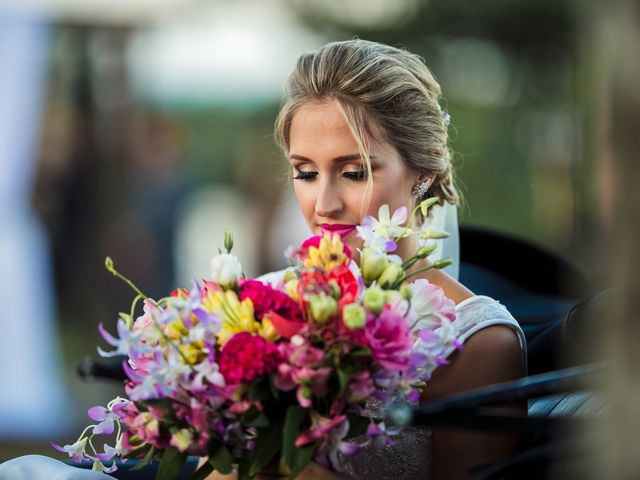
(321, 126)
(318, 124)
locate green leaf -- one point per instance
(171, 464)
(202, 472)
(145, 461)
(259, 392)
(301, 460)
(255, 418)
(220, 458)
(268, 443)
(243, 468)
(275, 393)
(360, 351)
(290, 432)
(343, 379)
(139, 451)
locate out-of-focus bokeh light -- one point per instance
(216, 55)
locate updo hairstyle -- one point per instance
(383, 92)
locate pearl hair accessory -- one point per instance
(421, 189)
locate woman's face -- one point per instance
(330, 178)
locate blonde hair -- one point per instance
(380, 90)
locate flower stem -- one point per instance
(108, 263)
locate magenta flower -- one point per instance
(389, 338)
(266, 299)
(246, 357)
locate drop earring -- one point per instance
(421, 189)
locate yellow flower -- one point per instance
(291, 289)
(329, 255)
(268, 331)
(176, 329)
(192, 352)
(236, 316)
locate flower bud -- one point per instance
(322, 307)
(374, 299)
(225, 270)
(444, 262)
(335, 289)
(391, 274)
(391, 295)
(429, 233)
(405, 291)
(354, 316)
(372, 264)
(228, 240)
(426, 204)
(424, 252)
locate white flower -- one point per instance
(380, 234)
(429, 305)
(76, 451)
(225, 270)
(207, 370)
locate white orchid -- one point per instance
(380, 234)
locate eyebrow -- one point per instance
(340, 159)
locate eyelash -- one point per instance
(356, 176)
(308, 176)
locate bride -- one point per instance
(361, 126)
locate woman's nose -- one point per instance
(328, 201)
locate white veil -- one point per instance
(445, 218)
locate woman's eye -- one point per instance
(302, 175)
(356, 175)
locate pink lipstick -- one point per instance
(341, 229)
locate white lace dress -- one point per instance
(410, 455)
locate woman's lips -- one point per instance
(340, 229)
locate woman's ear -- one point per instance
(423, 182)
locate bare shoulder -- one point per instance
(491, 355)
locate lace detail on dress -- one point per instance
(409, 457)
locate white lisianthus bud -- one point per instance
(323, 307)
(225, 270)
(354, 316)
(374, 299)
(392, 273)
(373, 264)
(405, 291)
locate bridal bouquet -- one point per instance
(254, 374)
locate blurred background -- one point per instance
(141, 129)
